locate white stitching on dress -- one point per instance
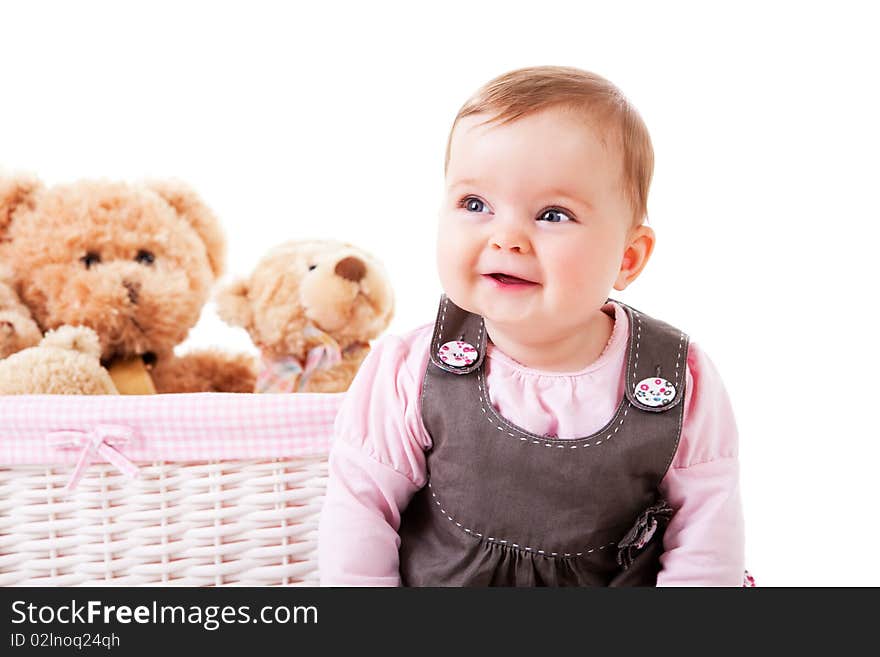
(680, 414)
(638, 342)
(678, 359)
(442, 324)
(492, 539)
(528, 437)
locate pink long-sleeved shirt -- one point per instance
(377, 461)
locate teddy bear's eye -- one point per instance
(311, 267)
(145, 257)
(90, 258)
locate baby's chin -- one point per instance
(504, 310)
(485, 298)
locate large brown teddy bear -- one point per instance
(135, 263)
(311, 307)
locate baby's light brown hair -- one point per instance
(529, 90)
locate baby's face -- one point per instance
(540, 199)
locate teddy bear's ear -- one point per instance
(233, 305)
(187, 204)
(15, 191)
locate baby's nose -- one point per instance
(509, 236)
(510, 243)
(351, 268)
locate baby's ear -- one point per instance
(187, 204)
(15, 192)
(234, 306)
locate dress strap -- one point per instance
(459, 341)
(655, 362)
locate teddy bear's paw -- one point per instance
(17, 332)
(74, 338)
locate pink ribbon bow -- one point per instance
(94, 443)
(290, 374)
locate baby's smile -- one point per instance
(507, 282)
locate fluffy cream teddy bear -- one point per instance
(311, 307)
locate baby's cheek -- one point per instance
(573, 263)
(581, 273)
(450, 265)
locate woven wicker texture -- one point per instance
(208, 523)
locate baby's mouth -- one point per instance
(507, 279)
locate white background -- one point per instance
(331, 122)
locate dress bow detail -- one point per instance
(641, 532)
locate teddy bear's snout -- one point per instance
(351, 268)
(133, 289)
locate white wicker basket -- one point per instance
(183, 521)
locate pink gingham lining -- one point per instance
(178, 427)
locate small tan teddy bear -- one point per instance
(135, 263)
(66, 362)
(311, 307)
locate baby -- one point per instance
(537, 433)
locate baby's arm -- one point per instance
(704, 543)
(377, 463)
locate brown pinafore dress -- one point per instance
(506, 507)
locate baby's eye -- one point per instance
(473, 204)
(555, 215)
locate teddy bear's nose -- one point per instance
(133, 289)
(351, 269)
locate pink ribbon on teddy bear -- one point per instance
(288, 374)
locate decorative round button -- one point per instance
(457, 353)
(655, 391)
